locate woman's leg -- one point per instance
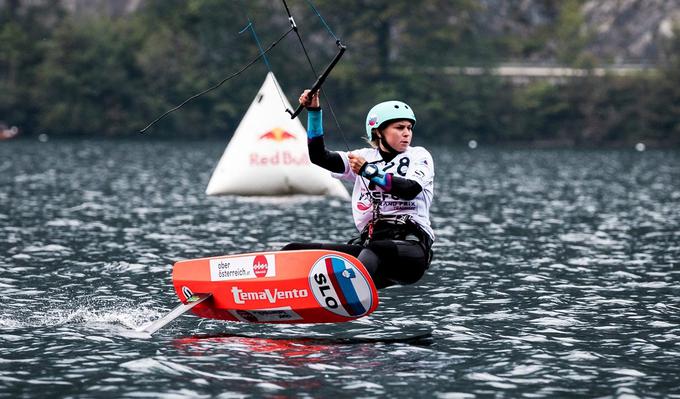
(366, 257)
(353, 250)
(389, 262)
(396, 261)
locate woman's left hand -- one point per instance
(309, 102)
(356, 162)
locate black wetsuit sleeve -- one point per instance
(319, 155)
(404, 188)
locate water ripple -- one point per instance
(555, 274)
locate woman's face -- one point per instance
(398, 135)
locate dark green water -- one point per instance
(556, 273)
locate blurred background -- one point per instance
(530, 72)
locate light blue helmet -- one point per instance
(388, 111)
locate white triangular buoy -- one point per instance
(267, 154)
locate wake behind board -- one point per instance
(306, 286)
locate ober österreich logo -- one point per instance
(260, 266)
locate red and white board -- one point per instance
(306, 286)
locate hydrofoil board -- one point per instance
(305, 286)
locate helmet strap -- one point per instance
(386, 146)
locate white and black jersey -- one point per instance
(414, 164)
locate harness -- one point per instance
(394, 227)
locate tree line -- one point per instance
(67, 74)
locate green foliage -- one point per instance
(664, 109)
(69, 74)
(88, 79)
(25, 31)
(569, 33)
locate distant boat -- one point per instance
(8, 133)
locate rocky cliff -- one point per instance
(614, 31)
(631, 30)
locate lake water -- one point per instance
(556, 273)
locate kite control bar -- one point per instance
(320, 80)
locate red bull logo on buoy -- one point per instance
(278, 134)
(272, 155)
(279, 158)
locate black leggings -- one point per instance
(389, 262)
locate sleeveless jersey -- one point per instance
(414, 164)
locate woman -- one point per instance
(393, 190)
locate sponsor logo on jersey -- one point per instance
(387, 202)
(363, 207)
(272, 296)
(339, 287)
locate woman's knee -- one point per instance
(400, 262)
(411, 275)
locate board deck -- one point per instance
(306, 286)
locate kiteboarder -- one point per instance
(393, 190)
